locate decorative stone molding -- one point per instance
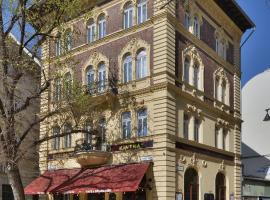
(221, 122)
(194, 57)
(132, 48)
(193, 110)
(183, 159)
(193, 160)
(95, 59)
(133, 2)
(204, 163)
(191, 7)
(222, 166)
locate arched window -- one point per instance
(196, 75)
(101, 77)
(68, 136)
(187, 20)
(101, 26)
(141, 65)
(90, 79)
(191, 185)
(196, 27)
(91, 31)
(56, 139)
(88, 135)
(142, 11)
(128, 15)
(126, 125)
(68, 40)
(186, 69)
(220, 187)
(127, 68)
(67, 85)
(57, 89)
(58, 47)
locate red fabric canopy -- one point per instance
(116, 178)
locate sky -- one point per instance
(256, 52)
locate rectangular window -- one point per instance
(216, 137)
(186, 125)
(128, 17)
(7, 193)
(196, 77)
(56, 140)
(102, 28)
(225, 139)
(196, 129)
(187, 20)
(67, 138)
(142, 123)
(126, 125)
(57, 90)
(91, 32)
(186, 71)
(142, 11)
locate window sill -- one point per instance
(190, 89)
(135, 84)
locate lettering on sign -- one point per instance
(130, 146)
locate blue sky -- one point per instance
(256, 52)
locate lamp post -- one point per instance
(267, 116)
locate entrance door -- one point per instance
(191, 185)
(220, 187)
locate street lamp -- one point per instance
(267, 116)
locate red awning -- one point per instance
(116, 178)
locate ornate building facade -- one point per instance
(179, 135)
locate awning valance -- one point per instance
(115, 178)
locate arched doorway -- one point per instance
(220, 186)
(191, 184)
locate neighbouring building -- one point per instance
(179, 136)
(255, 129)
(28, 164)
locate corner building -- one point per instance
(179, 135)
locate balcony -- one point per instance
(101, 91)
(88, 154)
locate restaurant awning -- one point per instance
(114, 178)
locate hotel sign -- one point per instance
(131, 146)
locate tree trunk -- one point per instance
(15, 181)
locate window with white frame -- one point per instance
(196, 129)
(128, 16)
(91, 31)
(57, 89)
(88, 135)
(221, 48)
(186, 126)
(142, 122)
(90, 79)
(127, 68)
(101, 26)
(187, 20)
(56, 140)
(186, 69)
(126, 125)
(68, 136)
(141, 65)
(196, 75)
(222, 138)
(68, 85)
(58, 47)
(141, 11)
(196, 27)
(101, 77)
(68, 40)
(221, 87)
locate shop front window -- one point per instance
(96, 196)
